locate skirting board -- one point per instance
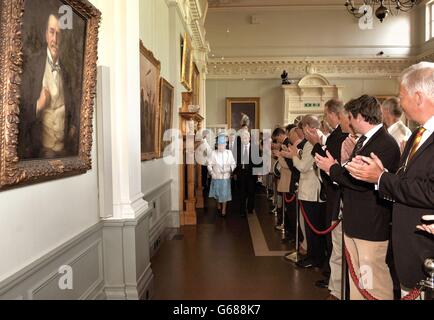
(41, 279)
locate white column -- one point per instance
(119, 51)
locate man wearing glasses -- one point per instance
(412, 188)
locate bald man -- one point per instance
(49, 125)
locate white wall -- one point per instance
(161, 29)
(271, 94)
(36, 219)
(305, 31)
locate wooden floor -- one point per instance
(215, 260)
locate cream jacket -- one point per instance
(221, 164)
(309, 186)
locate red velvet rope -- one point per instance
(413, 295)
(320, 233)
(291, 200)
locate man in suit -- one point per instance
(392, 113)
(411, 189)
(245, 172)
(334, 112)
(49, 119)
(366, 216)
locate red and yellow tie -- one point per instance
(416, 143)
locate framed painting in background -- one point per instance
(166, 112)
(187, 62)
(242, 110)
(46, 117)
(149, 104)
(195, 83)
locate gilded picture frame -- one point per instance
(187, 62)
(167, 96)
(150, 69)
(35, 145)
(240, 109)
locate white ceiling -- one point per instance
(271, 3)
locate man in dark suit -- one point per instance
(366, 216)
(411, 189)
(334, 111)
(244, 172)
(48, 117)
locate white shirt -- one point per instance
(371, 133)
(245, 149)
(429, 126)
(400, 132)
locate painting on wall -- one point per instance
(187, 62)
(166, 112)
(241, 111)
(47, 89)
(149, 104)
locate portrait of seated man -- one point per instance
(51, 87)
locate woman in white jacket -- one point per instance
(220, 166)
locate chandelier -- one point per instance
(385, 7)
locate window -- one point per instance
(430, 20)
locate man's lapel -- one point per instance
(373, 138)
(421, 149)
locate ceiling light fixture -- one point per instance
(385, 7)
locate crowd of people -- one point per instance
(360, 174)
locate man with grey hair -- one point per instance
(245, 172)
(392, 113)
(51, 129)
(411, 189)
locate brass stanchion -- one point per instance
(294, 256)
(344, 284)
(428, 284)
(282, 231)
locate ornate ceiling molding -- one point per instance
(333, 67)
(192, 14)
(427, 56)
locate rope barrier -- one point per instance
(291, 200)
(413, 295)
(320, 233)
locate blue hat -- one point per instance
(221, 139)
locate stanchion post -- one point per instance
(344, 286)
(283, 216)
(294, 257)
(428, 284)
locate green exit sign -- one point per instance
(312, 105)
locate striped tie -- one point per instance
(416, 143)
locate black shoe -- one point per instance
(243, 215)
(305, 264)
(322, 283)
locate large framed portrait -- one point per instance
(187, 62)
(149, 104)
(166, 112)
(241, 111)
(48, 55)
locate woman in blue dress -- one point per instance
(220, 166)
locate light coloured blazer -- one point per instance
(309, 186)
(285, 176)
(221, 164)
(400, 132)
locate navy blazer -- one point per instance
(412, 191)
(366, 215)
